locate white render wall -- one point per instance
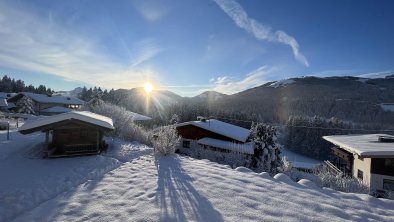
(377, 181)
(364, 165)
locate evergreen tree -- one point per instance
(25, 105)
(266, 148)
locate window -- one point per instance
(186, 144)
(388, 185)
(360, 174)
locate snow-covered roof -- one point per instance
(3, 102)
(57, 109)
(42, 98)
(366, 145)
(6, 95)
(388, 107)
(222, 128)
(84, 116)
(242, 148)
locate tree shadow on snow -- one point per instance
(176, 196)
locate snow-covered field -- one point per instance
(130, 184)
(300, 161)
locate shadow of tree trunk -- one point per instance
(177, 198)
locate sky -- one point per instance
(190, 46)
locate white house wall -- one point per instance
(377, 181)
(363, 165)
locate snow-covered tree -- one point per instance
(166, 140)
(175, 119)
(267, 150)
(25, 105)
(96, 99)
(125, 127)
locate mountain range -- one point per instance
(354, 99)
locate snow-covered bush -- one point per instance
(341, 183)
(295, 174)
(267, 150)
(166, 140)
(125, 127)
(175, 119)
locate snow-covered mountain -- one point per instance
(72, 93)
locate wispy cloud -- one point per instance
(228, 85)
(38, 44)
(258, 30)
(150, 10)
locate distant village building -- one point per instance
(3, 104)
(388, 107)
(369, 158)
(214, 135)
(43, 103)
(72, 133)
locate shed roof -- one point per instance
(42, 98)
(222, 128)
(83, 116)
(366, 145)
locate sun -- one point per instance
(148, 87)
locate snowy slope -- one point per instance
(175, 188)
(26, 180)
(298, 160)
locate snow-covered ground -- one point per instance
(130, 184)
(28, 180)
(300, 161)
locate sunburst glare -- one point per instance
(148, 87)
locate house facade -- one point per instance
(43, 103)
(214, 135)
(370, 158)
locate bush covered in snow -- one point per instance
(341, 183)
(323, 178)
(125, 127)
(166, 140)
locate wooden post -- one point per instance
(8, 130)
(98, 140)
(46, 143)
(17, 122)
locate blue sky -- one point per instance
(189, 46)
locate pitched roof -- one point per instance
(366, 145)
(222, 128)
(42, 98)
(84, 116)
(6, 95)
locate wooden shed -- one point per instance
(72, 133)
